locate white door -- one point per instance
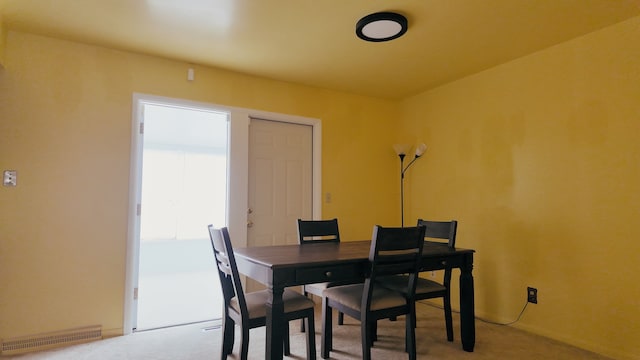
(280, 181)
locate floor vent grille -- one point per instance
(51, 340)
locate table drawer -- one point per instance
(328, 273)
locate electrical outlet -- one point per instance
(10, 178)
(532, 295)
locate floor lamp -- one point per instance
(401, 150)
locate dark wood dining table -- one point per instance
(279, 267)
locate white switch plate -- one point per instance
(10, 178)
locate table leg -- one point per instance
(275, 324)
(467, 312)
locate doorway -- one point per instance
(184, 188)
(237, 200)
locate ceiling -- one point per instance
(313, 42)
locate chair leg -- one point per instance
(244, 343)
(415, 320)
(366, 330)
(286, 341)
(374, 332)
(327, 334)
(410, 334)
(305, 293)
(447, 317)
(228, 335)
(311, 337)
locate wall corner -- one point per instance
(3, 42)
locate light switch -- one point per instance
(10, 178)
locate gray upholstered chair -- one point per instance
(249, 309)
(393, 251)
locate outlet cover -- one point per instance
(10, 178)
(532, 295)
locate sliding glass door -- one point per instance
(184, 188)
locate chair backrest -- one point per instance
(440, 230)
(313, 231)
(394, 251)
(227, 269)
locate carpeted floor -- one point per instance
(191, 342)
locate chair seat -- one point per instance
(256, 301)
(423, 286)
(351, 296)
(319, 288)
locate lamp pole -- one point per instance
(402, 188)
(401, 151)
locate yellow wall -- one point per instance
(65, 122)
(539, 160)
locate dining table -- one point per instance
(282, 266)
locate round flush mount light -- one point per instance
(381, 26)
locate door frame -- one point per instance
(237, 193)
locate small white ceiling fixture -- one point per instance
(381, 26)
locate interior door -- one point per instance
(280, 181)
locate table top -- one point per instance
(327, 253)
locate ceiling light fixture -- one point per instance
(381, 26)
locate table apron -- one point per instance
(281, 277)
(328, 273)
(442, 262)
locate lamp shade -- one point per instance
(420, 149)
(401, 149)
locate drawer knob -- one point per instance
(328, 274)
(444, 262)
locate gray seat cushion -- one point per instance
(423, 286)
(351, 296)
(256, 302)
(318, 288)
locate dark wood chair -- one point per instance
(393, 251)
(314, 231)
(249, 309)
(435, 232)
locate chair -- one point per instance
(393, 251)
(429, 289)
(249, 309)
(315, 231)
